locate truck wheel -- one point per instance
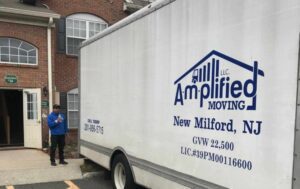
(121, 173)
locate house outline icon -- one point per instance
(223, 56)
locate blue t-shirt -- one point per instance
(56, 127)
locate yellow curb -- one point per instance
(71, 185)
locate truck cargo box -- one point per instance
(195, 94)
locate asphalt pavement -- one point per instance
(96, 182)
(19, 169)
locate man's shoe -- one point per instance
(53, 163)
(63, 162)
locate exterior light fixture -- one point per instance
(45, 91)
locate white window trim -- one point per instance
(73, 91)
(13, 63)
(87, 18)
(16, 63)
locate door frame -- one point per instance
(39, 104)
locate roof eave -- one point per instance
(29, 13)
(130, 7)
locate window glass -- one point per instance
(73, 108)
(32, 106)
(16, 51)
(31, 60)
(23, 59)
(23, 52)
(14, 59)
(73, 45)
(32, 53)
(5, 50)
(80, 27)
(15, 43)
(4, 58)
(4, 42)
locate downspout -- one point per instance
(50, 88)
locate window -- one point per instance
(15, 51)
(32, 106)
(73, 108)
(80, 27)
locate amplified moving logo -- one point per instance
(217, 84)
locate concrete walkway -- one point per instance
(33, 166)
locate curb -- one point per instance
(93, 174)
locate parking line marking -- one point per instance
(10, 187)
(71, 185)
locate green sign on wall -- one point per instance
(45, 104)
(11, 79)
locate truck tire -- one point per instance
(121, 173)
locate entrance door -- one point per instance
(32, 118)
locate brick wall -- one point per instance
(28, 76)
(109, 10)
(66, 67)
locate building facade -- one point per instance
(79, 20)
(39, 42)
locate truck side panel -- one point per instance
(234, 128)
(296, 178)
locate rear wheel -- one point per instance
(121, 173)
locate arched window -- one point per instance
(80, 27)
(15, 51)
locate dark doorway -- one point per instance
(11, 118)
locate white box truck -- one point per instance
(195, 94)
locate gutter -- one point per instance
(29, 12)
(131, 7)
(49, 47)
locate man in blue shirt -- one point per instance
(58, 127)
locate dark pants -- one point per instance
(57, 140)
